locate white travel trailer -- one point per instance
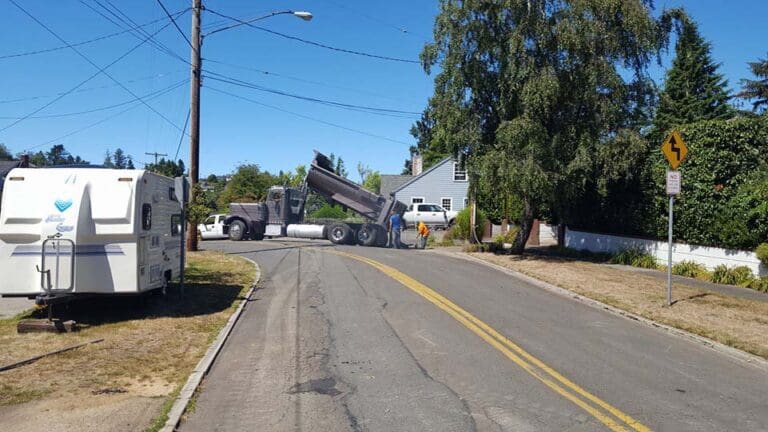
(87, 231)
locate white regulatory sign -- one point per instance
(673, 182)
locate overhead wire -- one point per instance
(84, 128)
(87, 89)
(181, 137)
(317, 44)
(168, 14)
(98, 72)
(86, 42)
(306, 117)
(361, 108)
(103, 108)
(402, 30)
(302, 80)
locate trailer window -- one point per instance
(172, 194)
(146, 216)
(175, 225)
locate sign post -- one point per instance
(675, 151)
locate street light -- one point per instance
(194, 110)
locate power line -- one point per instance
(103, 108)
(308, 117)
(155, 154)
(100, 69)
(62, 95)
(86, 42)
(402, 30)
(317, 44)
(181, 137)
(303, 80)
(69, 134)
(84, 90)
(138, 33)
(361, 108)
(174, 22)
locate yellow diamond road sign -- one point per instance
(674, 149)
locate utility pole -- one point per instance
(155, 154)
(194, 116)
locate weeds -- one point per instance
(635, 258)
(741, 276)
(689, 269)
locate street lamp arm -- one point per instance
(238, 22)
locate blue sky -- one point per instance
(282, 132)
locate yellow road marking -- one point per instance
(519, 356)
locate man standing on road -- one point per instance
(395, 225)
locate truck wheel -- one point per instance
(367, 235)
(236, 230)
(340, 233)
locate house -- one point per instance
(445, 183)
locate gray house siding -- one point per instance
(435, 184)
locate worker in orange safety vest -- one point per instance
(423, 235)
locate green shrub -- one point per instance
(328, 211)
(760, 284)
(645, 261)
(635, 257)
(762, 253)
(461, 228)
(688, 269)
(741, 275)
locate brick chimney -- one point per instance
(417, 164)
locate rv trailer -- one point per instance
(86, 231)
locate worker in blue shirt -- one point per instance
(395, 225)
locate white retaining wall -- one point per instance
(710, 257)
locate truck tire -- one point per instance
(340, 233)
(382, 236)
(256, 232)
(237, 230)
(367, 235)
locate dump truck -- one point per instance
(282, 213)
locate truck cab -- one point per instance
(212, 227)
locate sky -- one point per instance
(277, 131)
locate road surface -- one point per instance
(366, 339)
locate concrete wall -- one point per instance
(710, 257)
(435, 184)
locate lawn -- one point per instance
(151, 343)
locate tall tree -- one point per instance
(167, 168)
(757, 89)
(693, 89)
(108, 160)
(57, 155)
(528, 89)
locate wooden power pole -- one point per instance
(194, 117)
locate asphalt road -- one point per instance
(410, 340)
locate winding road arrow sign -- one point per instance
(674, 149)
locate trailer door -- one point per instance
(57, 271)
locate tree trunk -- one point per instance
(526, 224)
(561, 234)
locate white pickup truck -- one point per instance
(432, 215)
(213, 227)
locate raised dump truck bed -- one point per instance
(282, 214)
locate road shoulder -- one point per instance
(677, 328)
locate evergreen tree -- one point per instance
(693, 89)
(108, 160)
(130, 165)
(119, 159)
(757, 89)
(5, 154)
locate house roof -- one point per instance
(390, 182)
(413, 179)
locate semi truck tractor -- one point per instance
(282, 213)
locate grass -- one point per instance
(151, 343)
(736, 322)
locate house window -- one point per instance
(175, 225)
(417, 200)
(146, 216)
(459, 174)
(447, 203)
(466, 202)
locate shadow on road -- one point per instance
(198, 299)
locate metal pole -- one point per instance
(182, 255)
(669, 252)
(194, 115)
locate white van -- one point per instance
(87, 231)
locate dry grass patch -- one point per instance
(150, 346)
(732, 321)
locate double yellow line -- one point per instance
(606, 413)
